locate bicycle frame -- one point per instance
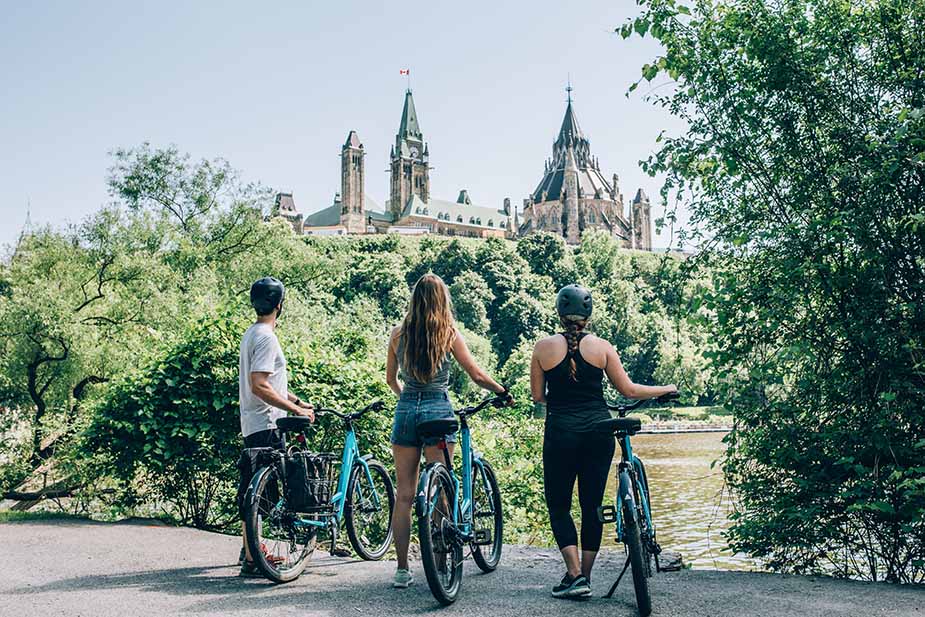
(626, 451)
(349, 457)
(462, 488)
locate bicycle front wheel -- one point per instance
(486, 514)
(368, 511)
(441, 549)
(637, 557)
(279, 545)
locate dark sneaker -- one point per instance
(572, 587)
(241, 557)
(249, 569)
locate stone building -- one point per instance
(410, 208)
(574, 195)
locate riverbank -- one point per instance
(685, 420)
(70, 567)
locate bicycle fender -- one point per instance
(366, 457)
(625, 490)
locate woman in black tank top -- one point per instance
(573, 390)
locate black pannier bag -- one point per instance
(250, 461)
(309, 480)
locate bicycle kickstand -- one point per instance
(613, 588)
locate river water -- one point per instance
(690, 504)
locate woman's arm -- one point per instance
(624, 385)
(537, 379)
(467, 362)
(391, 363)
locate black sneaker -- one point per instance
(250, 570)
(572, 587)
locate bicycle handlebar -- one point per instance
(499, 400)
(374, 406)
(625, 408)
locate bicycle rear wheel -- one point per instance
(368, 511)
(279, 545)
(646, 533)
(441, 550)
(637, 557)
(486, 513)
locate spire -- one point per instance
(409, 119)
(570, 130)
(353, 140)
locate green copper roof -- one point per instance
(453, 211)
(409, 119)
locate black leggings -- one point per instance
(587, 456)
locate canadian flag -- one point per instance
(404, 71)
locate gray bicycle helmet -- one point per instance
(574, 300)
(266, 294)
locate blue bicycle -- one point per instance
(293, 496)
(632, 508)
(450, 518)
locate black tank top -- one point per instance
(575, 405)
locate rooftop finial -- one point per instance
(568, 89)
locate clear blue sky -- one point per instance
(275, 88)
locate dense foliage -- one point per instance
(146, 302)
(803, 166)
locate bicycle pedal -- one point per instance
(482, 537)
(607, 514)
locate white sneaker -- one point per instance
(403, 579)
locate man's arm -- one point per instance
(260, 384)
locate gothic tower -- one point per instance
(641, 221)
(409, 170)
(351, 184)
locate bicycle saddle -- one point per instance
(438, 428)
(619, 425)
(293, 424)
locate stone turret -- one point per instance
(352, 185)
(572, 229)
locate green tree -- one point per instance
(802, 167)
(471, 298)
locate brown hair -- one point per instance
(573, 325)
(428, 329)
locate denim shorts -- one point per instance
(414, 408)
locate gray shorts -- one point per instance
(414, 408)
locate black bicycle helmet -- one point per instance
(574, 300)
(266, 294)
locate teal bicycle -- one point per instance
(632, 509)
(453, 513)
(294, 496)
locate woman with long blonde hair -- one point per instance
(419, 354)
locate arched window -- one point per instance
(459, 218)
(472, 220)
(491, 223)
(502, 225)
(478, 221)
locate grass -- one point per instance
(13, 516)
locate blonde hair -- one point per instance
(573, 325)
(428, 329)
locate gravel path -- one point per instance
(99, 570)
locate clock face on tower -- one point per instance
(414, 151)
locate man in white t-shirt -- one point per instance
(263, 387)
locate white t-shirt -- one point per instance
(260, 353)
